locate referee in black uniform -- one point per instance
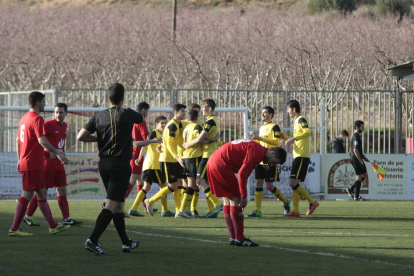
(114, 136)
(357, 161)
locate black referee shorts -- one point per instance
(269, 174)
(202, 169)
(359, 167)
(115, 173)
(153, 176)
(299, 168)
(172, 171)
(191, 166)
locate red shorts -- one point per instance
(136, 169)
(55, 178)
(223, 182)
(33, 180)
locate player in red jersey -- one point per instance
(30, 144)
(55, 176)
(241, 157)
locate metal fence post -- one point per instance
(9, 124)
(56, 95)
(398, 121)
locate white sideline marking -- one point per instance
(266, 246)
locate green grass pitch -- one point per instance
(340, 238)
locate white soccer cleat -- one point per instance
(150, 207)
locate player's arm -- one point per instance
(86, 133)
(46, 145)
(141, 154)
(197, 140)
(18, 153)
(146, 142)
(212, 140)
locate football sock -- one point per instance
(212, 198)
(210, 205)
(187, 198)
(194, 202)
(295, 201)
(357, 188)
(279, 195)
(258, 197)
(227, 218)
(164, 204)
(140, 187)
(32, 206)
(162, 193)
(237, 218)
(182, 192)
(303, 193)
(119, 222)
(102, 222)
(138, 200)
(129, 190)
(64, 206)
(20, 210)
(177, 200)
(44, 207)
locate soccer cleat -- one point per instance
(95, 248)
(19, 233)
(286, 206)
(218, 208)
(58, 229)
(195, 213)
(232, 242)
(103, 205)
(350, 193)
(150, 207)
(245, 242)
(254, 214)
(167, 214)
(183, 214)
(209, 215)
(292, 214)
(154, 210)
(72, 222)
(30, 221)
(127, 216)
(128, 248)
(312, 208)
(359, 199)
(135, 213)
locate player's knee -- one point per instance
(269, 186)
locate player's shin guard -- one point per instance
(258, 197)
(303, 193)
(102, 222)
(138, 199)
(229, 222)
(177, 200)
(279, 195)
(31, 209)
(20, 210)
(47, 214)
(162, 193)
(187, 198)
(140, 187)
(237, 218)
(194, 202)
(295, 201)
(119, 222)
(357, 188)
(64, 206)
(210, 204)
(164, 204)
(212, 198)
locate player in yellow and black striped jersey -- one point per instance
(208, 138)
(151, 169)
(268, 137)
(301, 159)
(172, 166)
(191, 158)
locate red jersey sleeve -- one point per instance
(144, 131)
(39, 127)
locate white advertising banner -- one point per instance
(396, 185)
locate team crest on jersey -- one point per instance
(207, 126)
(304, 124)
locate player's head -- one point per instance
(275, 156)
(142, 108)
(194, 106)
(61, 110)
(179, 111)
(293, 108)
(160, 123)
(208, 107)
(344, 135)
(359, 126)
(116, 93)
(37, 100)
(193, 116)
(267, 114)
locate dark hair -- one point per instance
(345, 133)
(142, 105)
(35, 97)
(192, 106)
(280, 154)
(210, 103)
(294, 104)
(269, 109)
(65, 107)
(193, 115)
(159, 118)
(358, 123)
(116, 93)
(177, 107)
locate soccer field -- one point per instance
(340, 238)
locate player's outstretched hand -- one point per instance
(255, 137)
(63, 158)
(185, 145)
(290, 141)
(137, 161)
(243, 202)
(52, 155)
(159, 148)
(365, 158)
(181, 162)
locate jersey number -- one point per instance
(241, 141)
(22, 133)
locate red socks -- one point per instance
(32, 206)
(20, 210)
(44, 207)
(64, 206)
(227, 218)
(237, 218)
(129, 190)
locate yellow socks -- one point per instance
(303, 193)
(162, 193)
(177, 200)
(164, 204)
(213, 198)
(210, 205)
(138, 199)
(295, 201)
(258, 197)
(279, 195)
(187, 198)
(194, 202)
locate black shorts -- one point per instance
(191, 166)
(202, 169)
(153, 176)
(172, 171)
(359, 167)
(299, 168)
(115, 173)
(269, 174)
